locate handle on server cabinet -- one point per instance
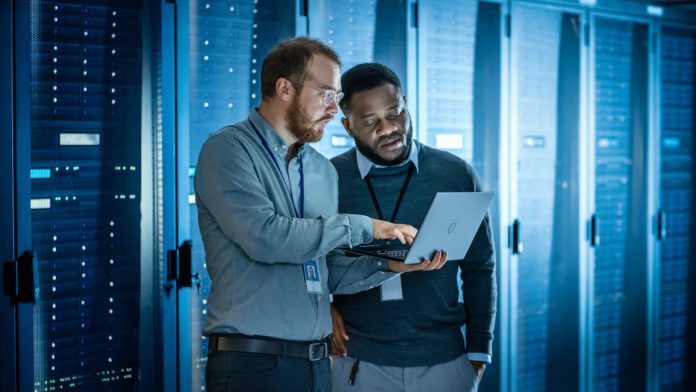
(22, 278)
(515, 240)
(594, 230)
(179, 266)
(661, 225)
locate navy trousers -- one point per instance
(238, 371)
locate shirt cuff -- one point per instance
(481, 357)
(381, 270)
(360, 228)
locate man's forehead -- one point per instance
(382, 97)
(324, 71)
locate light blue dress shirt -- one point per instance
(255, 245)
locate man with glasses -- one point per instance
(267, 211)
(406, 334)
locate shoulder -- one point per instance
(444, 160)
(318, 161)
(344, 159)
(228, 144)
(447, 167)
(346, 163)
(230, 135)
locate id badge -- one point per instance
(312, 278)
(391, 290)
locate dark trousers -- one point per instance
(240, 371)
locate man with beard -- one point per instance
(267, 211)
(406, 334)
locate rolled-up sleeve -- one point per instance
(227, 183)
(350, 275)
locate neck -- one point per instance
(275, 116)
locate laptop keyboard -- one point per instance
(400, 253)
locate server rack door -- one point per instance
(18, 296)
(487, 147)
(459, 79)
(459, 45)
(165, 169)
(8, 366)
(675, 223)
(619, 289)
(219, 83)
(360, 31)
(545, 112)
(85, 156)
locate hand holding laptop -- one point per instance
(435, 263)
(451, 223)
(383, 230)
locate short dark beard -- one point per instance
(370, 154)
(298, 123)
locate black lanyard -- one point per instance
(398, 202)
(299, 214)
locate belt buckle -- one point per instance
(318, 351)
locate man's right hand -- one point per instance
(383, 230)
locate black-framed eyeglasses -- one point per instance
(328, 95)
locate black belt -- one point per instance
(312, 351)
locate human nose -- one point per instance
(386, 127)
(332, 107)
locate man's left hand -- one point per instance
(437, 261)
(339, 335)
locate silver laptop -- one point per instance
(450, 224)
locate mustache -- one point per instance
(399, 133)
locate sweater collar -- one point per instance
(365, 164)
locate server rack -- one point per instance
(77, 128)
(221, 46)
(619, 51)
(18, 296)
(457, 108)
(673, 227)
(545, 109)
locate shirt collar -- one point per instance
(365, 164)
(275, 142)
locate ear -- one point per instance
(284, 89)
(346, 126)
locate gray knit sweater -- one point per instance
(424, 328)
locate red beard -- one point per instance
(301, 126)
